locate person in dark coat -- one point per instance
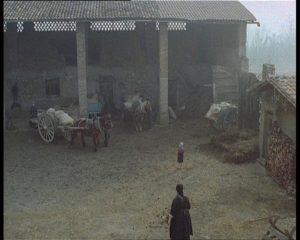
(15, 95)
(179, 217)
(15, 92)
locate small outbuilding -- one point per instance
(277, 127)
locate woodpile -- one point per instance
(238, 146)
(281, 160)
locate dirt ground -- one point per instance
(52, 191)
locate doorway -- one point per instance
(267, 133)
(106, 92)
(173, 93)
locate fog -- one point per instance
(274, 41)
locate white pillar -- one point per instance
(163, 74)
(82, 67)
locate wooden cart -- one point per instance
(48, 127)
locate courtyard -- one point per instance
(125, 191)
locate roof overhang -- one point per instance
(147, 11)
(265, 85)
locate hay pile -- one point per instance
(238, 146)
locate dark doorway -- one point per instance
(267, 133)
(173, 93)
(106, 93)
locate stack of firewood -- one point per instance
(281, 158)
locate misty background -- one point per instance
(274, 41)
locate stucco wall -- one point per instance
(287, 122)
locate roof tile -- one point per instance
(134, 10)
(287, 86)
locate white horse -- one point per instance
(138, 108)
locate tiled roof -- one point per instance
(205, 10)
(283, 84)
(286, 86)
(134, 10)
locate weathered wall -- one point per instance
(226, 85)
(32, 87)
(249, 110)
(49, 55)
(287, 122)
(214, 44)
(130, 57)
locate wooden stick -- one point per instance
(260, 219)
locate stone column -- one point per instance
(82, 67)
(163, 74)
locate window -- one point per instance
(52, 87)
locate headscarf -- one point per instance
(179, 189)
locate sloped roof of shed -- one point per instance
(285, 85)
(122, 10)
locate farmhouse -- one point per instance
(175, 52)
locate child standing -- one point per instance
(180, 154)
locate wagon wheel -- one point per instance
(46, 128)
(67, 134)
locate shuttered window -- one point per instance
(52, 87)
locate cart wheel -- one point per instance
(46, 128)
(67, 134)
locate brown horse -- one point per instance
(93, 128)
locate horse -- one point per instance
(138, 108)
(93, 128)
(140, 112)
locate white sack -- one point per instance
(59, 113)
(51, 112)
(65, 119)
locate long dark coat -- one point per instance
(181, 224)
